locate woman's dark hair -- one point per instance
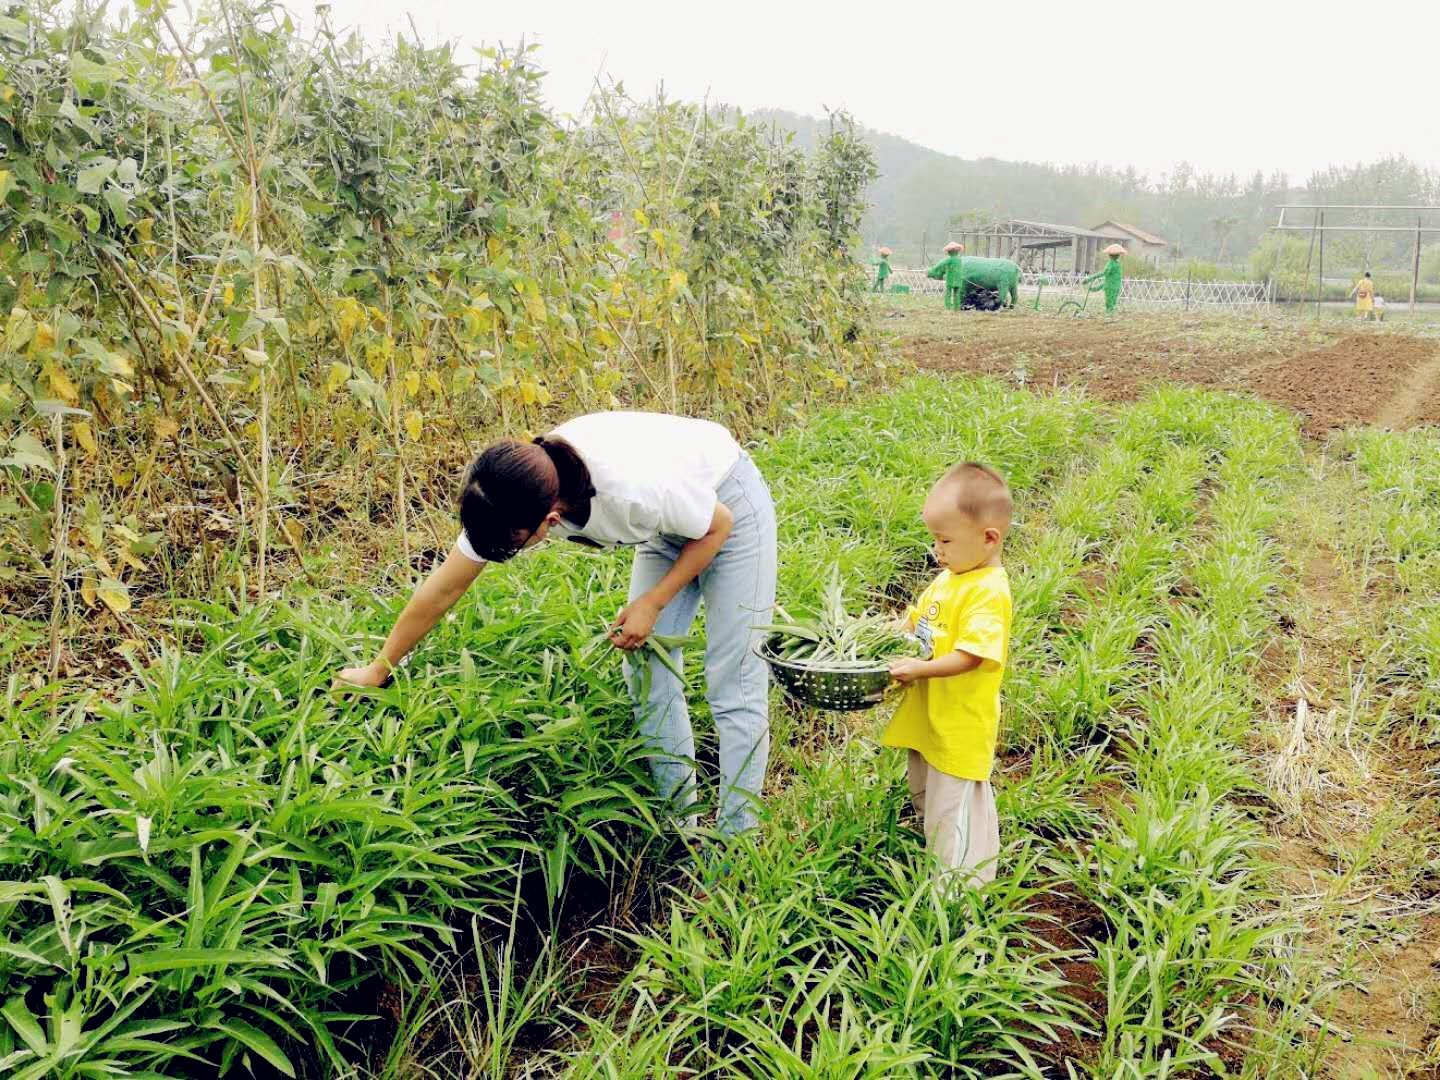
(510, 488)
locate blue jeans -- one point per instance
(739, 592)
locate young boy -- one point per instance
(950, 715)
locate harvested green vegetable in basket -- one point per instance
(835, 639)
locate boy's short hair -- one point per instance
(980, 493)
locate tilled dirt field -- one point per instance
(1333, 375)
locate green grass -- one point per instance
(1402, 474)
(216, 871)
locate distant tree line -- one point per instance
(921, 194)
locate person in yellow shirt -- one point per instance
(949, 718)
(1364, 293)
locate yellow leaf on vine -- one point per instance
(229, 295)
(117, 363)
(60, 383)
(641, 218)
(432, 381)
(86, 438)
(412, 383)
(44, 338)
(165, 427)
(336, 377)
(252, 430)
(535, 304)
(349, 316)
(414, 424)
(87, 591)
(478, 320)
(114, 595)
(99, 557)
(529, 391)
(493, 246)
(294, 532)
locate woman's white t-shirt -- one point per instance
(654, 475)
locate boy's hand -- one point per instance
(907, 671)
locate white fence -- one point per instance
(1137, 293)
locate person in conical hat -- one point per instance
(951, 270)
(882, 271)
(1110, 279)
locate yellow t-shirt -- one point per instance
(954, 722)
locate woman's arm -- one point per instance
(431, 600)
(634, 623)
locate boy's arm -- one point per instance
(957, 662)
(981, 637)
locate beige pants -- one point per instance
(962, 829)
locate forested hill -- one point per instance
(920, 191)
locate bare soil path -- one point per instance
(1411, 403)
(1333, 376)
(1352, 837)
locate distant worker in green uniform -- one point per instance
(882, 271)
(951, 270)
(1110, 279)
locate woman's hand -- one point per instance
(446, 584)
(374, 674)
(634, 624)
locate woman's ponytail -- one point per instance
(576, 489)
(510, 488)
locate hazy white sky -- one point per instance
(1223, 84)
